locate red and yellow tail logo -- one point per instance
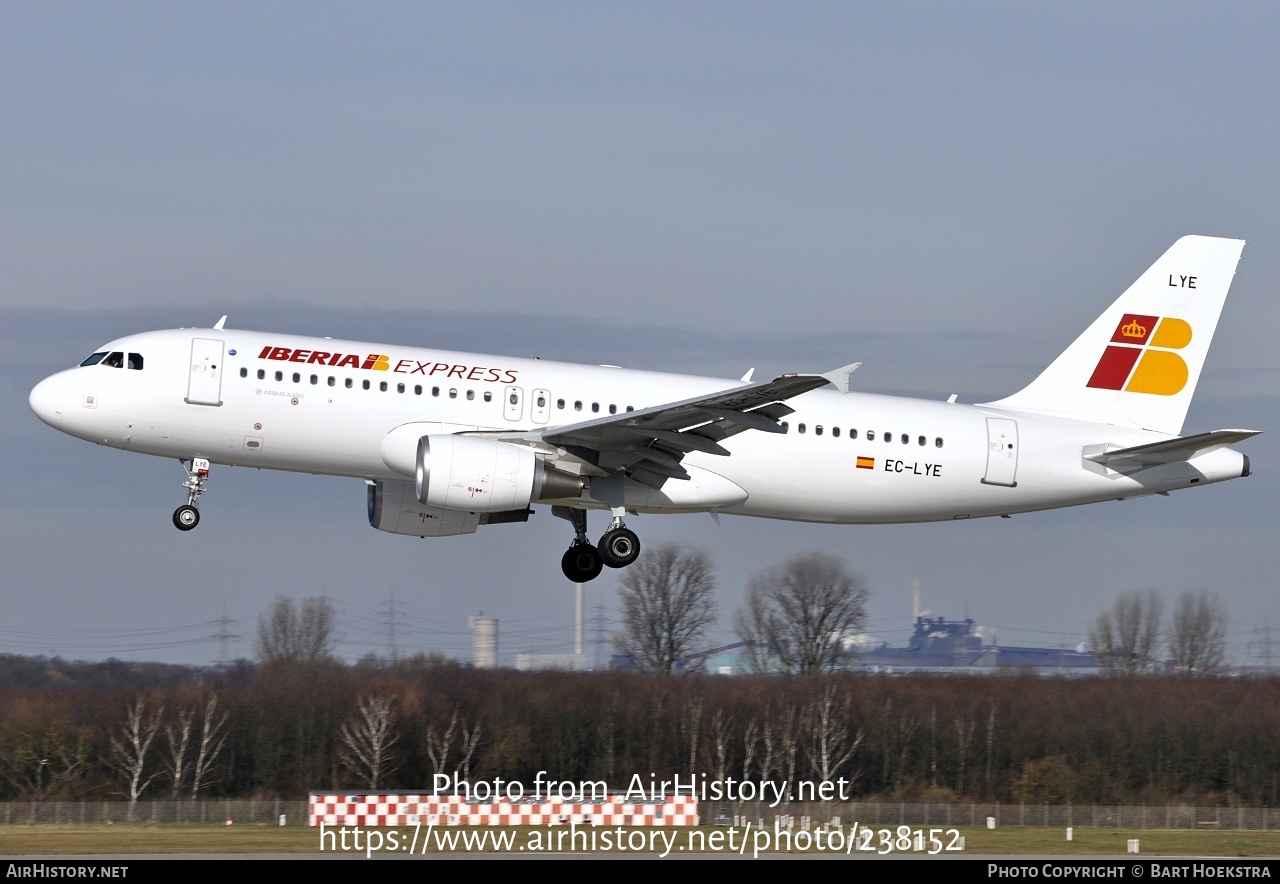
(1144, 342)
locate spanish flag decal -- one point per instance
(1144, 342)
(866, 463)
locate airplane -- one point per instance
(447, 441)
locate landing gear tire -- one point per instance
(186, 517)
(619, 547)
(582, 563)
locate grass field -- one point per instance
(142, 838)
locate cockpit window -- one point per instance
(114, 360)
(135, 361)
(95, 358)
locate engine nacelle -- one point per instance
(486, 476)
(394, 508)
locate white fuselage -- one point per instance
(325, 406)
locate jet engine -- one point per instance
(486, 476)
(394, 508)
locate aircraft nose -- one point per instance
(47, 401)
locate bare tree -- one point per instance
(721, 734)
(131, 747)
(668, 602)
(297, 632)
(439, 745)
(1125, 638)
(212, 739)
(828, 743)
(177, 737)
(470, 742)
(799, 615)
(40, 763)
(1198, 634)
(367, 739)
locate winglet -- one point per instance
(840, 377)
(220, 323)
(746, 378)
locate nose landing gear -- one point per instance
(187, 516)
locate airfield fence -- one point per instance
(269, 812)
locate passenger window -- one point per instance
(314, 380)
(577, 406)
(514, 399)
(906, 440)
(435, 391)
(135, 362)
(94, 358)
(871, 435)
(244, 372)
(888, 437)
(835, 431)
(560, 404)
(399, 388)
(364, 385)
(262, 374)
(488, 396)
(332, 381)
(937, 443)
(349, 383)
(453, 392)
(800, 427)
(542, 400)
(629, 408)
(297, 378)
(471, 394)
(853, 434)
(417, 389)
(786, 428)
(595, 407)
(817, 429)
(279, 376)
(922, 440)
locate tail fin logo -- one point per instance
(1145, 342)
(1133, 330)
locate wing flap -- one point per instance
(650, 443)
(674, 420)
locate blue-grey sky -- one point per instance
(946, 192)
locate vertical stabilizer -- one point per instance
(1138, 364)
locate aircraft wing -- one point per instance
(1170, 450)
(649, 443)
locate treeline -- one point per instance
(283, 730)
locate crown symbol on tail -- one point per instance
(1134, 330)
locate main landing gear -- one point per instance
(187, 516)
(583, 562)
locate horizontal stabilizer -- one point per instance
(1170, 450)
